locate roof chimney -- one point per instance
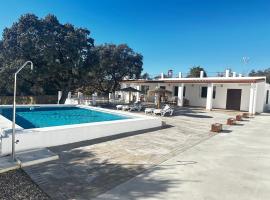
(180, 75)
(201, 74)
(234, 74)
(227, 73)
(170, 73)
(162, 75)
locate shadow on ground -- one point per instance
(60, 148)
(145, 187)
(191, 112)
(80, 175)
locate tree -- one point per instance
(60, 53)
(265, 72)
(115, 62)
(145, 76)
(195, 72)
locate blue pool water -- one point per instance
(38, 117)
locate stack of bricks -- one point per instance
(231, 121)
(217, 127)
(245, 115)
(238, 117)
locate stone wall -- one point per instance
(45, 99)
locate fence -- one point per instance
(186, 74)
(100, 100)
(45, 99)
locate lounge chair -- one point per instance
(166, 110)
(119, 107)
(136, 107)
(126, 107)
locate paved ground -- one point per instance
(87, 171)
(229, 166)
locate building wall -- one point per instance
(193, 94)
(267, 105)
(221, 95)
(260, 98)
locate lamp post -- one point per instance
(14, 106)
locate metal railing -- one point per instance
(186, 75)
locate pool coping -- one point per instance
(134, 116)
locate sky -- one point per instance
(170, 34)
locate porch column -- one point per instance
(252, 98)
(180, 100)
(138, 87)
(209, 99)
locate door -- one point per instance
(233, 99)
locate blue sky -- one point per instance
(171, 34)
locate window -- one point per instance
(214, 92)
(162, 87)
(144, 89)
(203, 92)
(176, 91)
(267, 97)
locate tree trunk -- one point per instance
(63, 97)
(108, 98)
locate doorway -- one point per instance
(233, 99)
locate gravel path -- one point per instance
(16, 185)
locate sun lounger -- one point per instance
(166, 110)
(126, 107)
(119, 107)
(136, 107)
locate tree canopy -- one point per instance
(64, 58)
(195, 72)
(145, 76)
(115, 62)
(265, 72)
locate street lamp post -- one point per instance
(14, 106)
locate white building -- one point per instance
(234, 92)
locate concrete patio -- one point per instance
(225, 167)
(86, 170)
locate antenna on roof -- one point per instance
(245, 60)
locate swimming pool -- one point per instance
(39, 117)
(41, 126)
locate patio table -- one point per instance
(149, 110)
(119, 107)
(125, 108)
(157, 111)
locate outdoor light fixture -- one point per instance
(14, 106)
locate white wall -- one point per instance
(193, 94)
(260, 101)
(267, 106)
(221, 95)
